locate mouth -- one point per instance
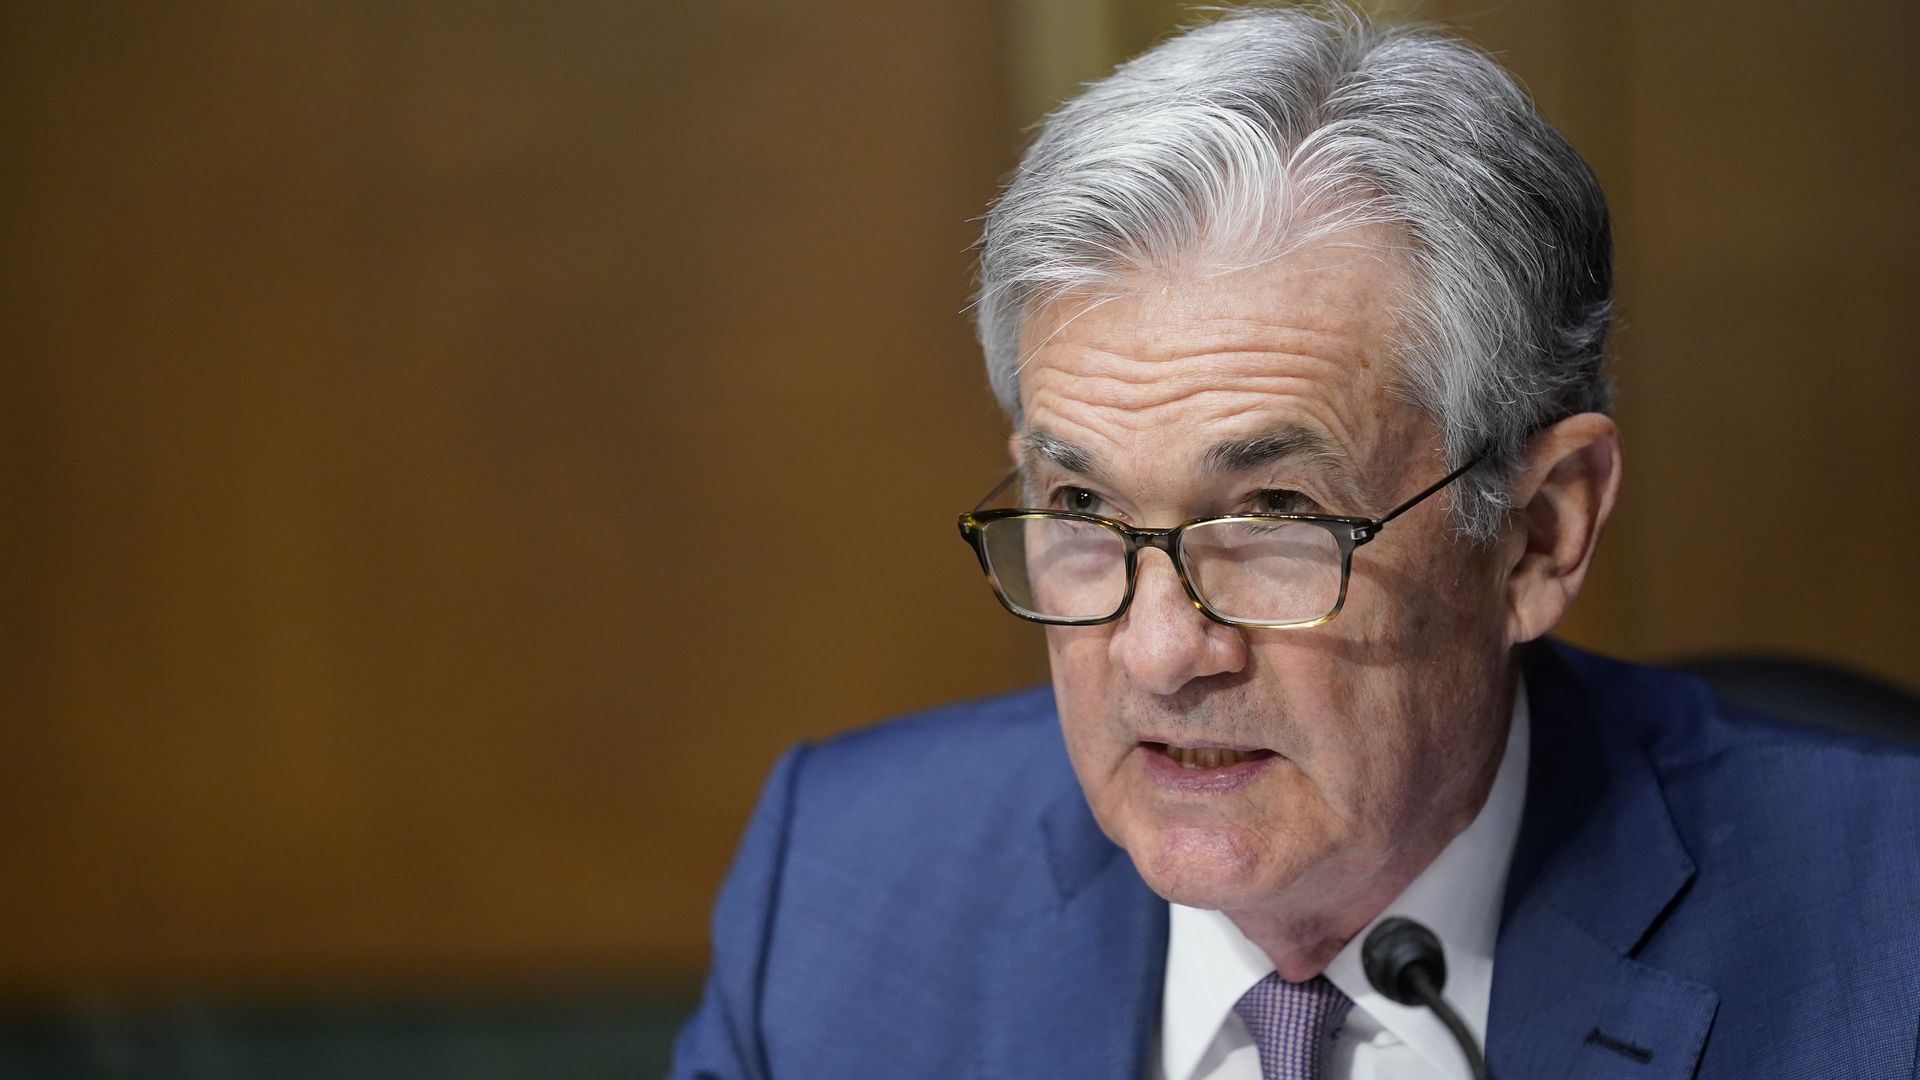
(1202, 769)
(1205, 757)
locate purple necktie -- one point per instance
(1293, 1024)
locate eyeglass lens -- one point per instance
(1058, 568)
(1252, 571)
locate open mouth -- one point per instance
(1200, 758)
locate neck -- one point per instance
(1326, 907)
(1302, 941)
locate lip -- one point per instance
(1171, 776)
(1198, 744)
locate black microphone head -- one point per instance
(1403, 961)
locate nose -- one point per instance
(1163, 642)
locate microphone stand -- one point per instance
(1404, 962)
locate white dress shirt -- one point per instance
(1210, 963)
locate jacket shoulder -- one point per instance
(1722, 766)
(963, 727)
(907, 843)
(963, 765)
(1805, 845)
(1685, 728)
(873, 867)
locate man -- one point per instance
(1300, 324)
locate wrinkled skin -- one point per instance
(1389, 721)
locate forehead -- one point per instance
(1158, 372)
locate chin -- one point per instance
(1203, 867)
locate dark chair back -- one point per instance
(1813, 692)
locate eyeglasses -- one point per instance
(1260, 571)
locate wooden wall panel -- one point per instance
(450, 450)
(1758, 163)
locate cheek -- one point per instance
(1428, 699)
(1352, 739)
(1374, 704)
(1077, 656)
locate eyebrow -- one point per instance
(1037, 445)
(1290, 442)
(1245, 455)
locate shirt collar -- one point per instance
(1210, 963)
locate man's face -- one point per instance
(1356, 748)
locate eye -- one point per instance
(1281, 501)
(1077, 499)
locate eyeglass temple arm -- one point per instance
(997, 489)
(1379, 523)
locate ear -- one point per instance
(1562, 499)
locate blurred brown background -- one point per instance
(451, 448)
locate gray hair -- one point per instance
(1255, 135)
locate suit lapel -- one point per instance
(1071, 989)
(1597, 863)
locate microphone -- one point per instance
(1404, 962)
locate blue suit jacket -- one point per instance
(1695, 892)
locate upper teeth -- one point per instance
(1207, 757)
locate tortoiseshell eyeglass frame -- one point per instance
(1348, 533)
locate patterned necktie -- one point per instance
(1293, 1024)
